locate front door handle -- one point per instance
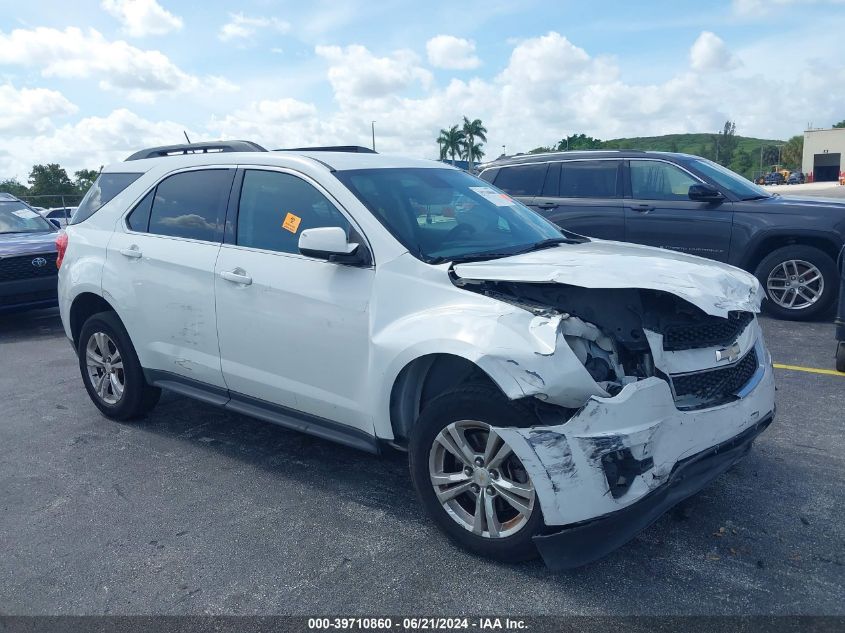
(546, 205)
(133, 252)
(237, 276)
(643, 208)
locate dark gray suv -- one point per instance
(690, 204)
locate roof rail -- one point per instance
(197, 148)
(355, 149)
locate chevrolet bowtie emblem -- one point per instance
(729, 354)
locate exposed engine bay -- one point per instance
(612, 331)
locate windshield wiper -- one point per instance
(536, 246)
(757, 197)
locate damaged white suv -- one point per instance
(554, 393)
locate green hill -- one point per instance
(686, 143)
(745, 159)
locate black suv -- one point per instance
(689, 204)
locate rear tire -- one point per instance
(111, 371)
(840, 357)
(801, 275)
(501, 531)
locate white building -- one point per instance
(824, 151)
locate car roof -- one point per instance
(584, 154)
(333, 161)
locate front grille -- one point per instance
(714, 386)
(707, 333)
(21, 267)
(27, 297)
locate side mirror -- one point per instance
(55, 223)
(705, 193)
(330, 243)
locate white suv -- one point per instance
(554, 393)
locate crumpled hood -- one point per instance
(12, 244)
(714, 287)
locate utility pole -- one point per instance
(373, 125)
(504, 153)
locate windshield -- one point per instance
(446, 215)
(16, 217)
(727, 179)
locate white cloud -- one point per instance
(355, 73)
(89, 142)
(241, 27)
(447, 51)
(709, 52)
(117, 65)
(142, 17)
(30, 110)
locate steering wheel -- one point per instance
(459, 229)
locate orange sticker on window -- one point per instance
(291, 222)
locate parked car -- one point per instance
(377, 300)
(774, 178)
(689, 204)
(27, 257)
(58, 215)
(795, 178)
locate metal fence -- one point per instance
(49, 201)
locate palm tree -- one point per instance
(450, 142)
(473, 130)
(473, 153)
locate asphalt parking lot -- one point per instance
(199, 511)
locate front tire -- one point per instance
(800, 282)
(111, 371)
(469, 481)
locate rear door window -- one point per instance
(522, 180)
(106, 187)
(192, 204)
(589, 179)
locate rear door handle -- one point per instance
(643, 208)
(133, 251)
(237, 277)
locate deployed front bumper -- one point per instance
(619, 463)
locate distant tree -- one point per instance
(725, 144)
(840, 124)
(673, 146)
(52, 180)
(541, 150)
(83, 179)
(473, 130)
(12, 186)
(450, 142)
(793, 152)
(579, 141)
(770, 156)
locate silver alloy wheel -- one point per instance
(795, 284)
(479, 481)
(105, 368)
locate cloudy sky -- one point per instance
(84, 83)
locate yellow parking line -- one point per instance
(812, 370)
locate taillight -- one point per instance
(61, 247)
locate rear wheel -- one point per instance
(800, 282)
(840, 357)
(469, 480)
(111, 371)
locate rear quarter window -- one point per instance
(106, 187)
